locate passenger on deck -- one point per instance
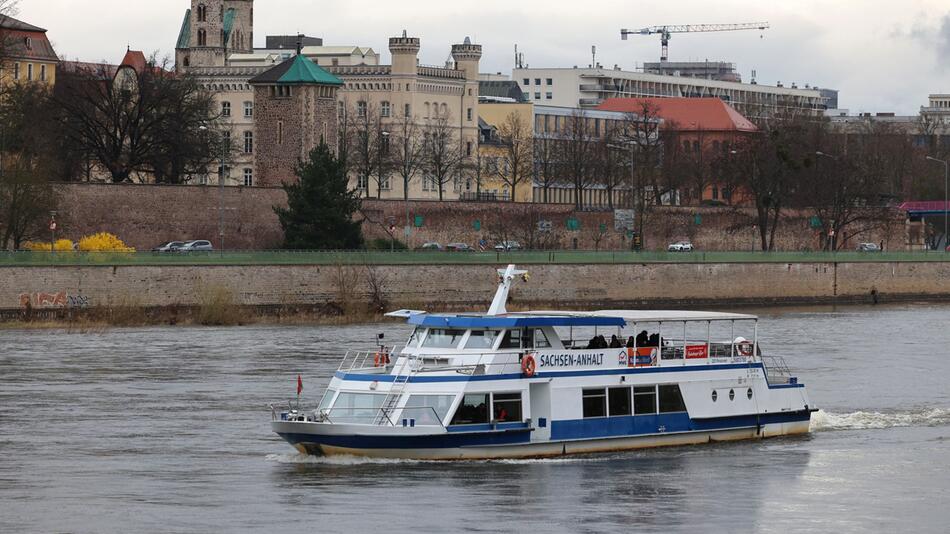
(643, 338)
(631, 342)
(615, 342)
(654, 340)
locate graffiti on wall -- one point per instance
(61, 299)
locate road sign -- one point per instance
(52, 226)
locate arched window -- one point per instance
(696, 147)
(427, 110)
(444, 110)
(202, 13)
(187, 61)
(202, 38)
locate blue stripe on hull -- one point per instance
(577, 429)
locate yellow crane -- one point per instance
(667, 31)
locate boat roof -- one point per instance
(563, 318)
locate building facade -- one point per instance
(589, 87)
(26, 55)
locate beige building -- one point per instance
(26, 55)
(223, 64)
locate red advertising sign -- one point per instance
(697, 351)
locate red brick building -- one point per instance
(702, 131)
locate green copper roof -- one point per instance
(297, 71)
(184, 36)
(228, 25)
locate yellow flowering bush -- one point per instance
(103, 242)
(60, 245)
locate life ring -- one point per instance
(528, 365)
(745, 348)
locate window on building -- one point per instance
(29, 43)
(335, 61)
(444, 110)
(362, 182)
(29, 72)
(16, 71)
(249, 109)
(473, 410)
(526, 95)
(468, 148)
(686, 146)
(506, 407)
(248, 142)
(428, 110)
(537, 96)
(527, 81)
(549, 81)
(361, 108)
(225, 109)
(696, 147)
(42, 73)
(202, 38)
(644, 400)
(549, 95)
(715, 193)
(406, 110)
(595, 402)
(671, 400)
(280, 132)
(224, 174)
(537, 81)
(468, 114)
(248, 177)
(385, 110)
(618, 401)
(202, 13)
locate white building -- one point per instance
(589, 87)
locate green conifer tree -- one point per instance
(320, 206)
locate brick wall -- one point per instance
(145, 215)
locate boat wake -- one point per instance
(861, 420)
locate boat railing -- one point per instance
(379, 358)
(485, 363)
(776, 370)
(380, 416)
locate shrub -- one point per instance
(103, 242)
(60, 245)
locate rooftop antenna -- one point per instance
(299, 43)
(593, 56)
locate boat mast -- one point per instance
(505, 277)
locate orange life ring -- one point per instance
(745, 348)
(528, 365)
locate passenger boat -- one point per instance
(515, 385)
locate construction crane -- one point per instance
(667, 31)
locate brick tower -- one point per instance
(213, 29)
(295, 109)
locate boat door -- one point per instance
(540, 399)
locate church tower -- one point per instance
(212, 30)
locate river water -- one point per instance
(167, 429)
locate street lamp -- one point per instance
(946, 178)
(833, 234)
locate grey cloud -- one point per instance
(943, 44)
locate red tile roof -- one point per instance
(689, 114)
(25, 41)
(135, 59)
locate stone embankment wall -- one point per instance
(471, 286)
(146, 215)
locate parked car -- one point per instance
(196, 246)
(868, 247)
(458, 247)
(171, 246)
(432, 245)
(680, 246)
(508, 246)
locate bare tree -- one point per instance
(612, 161)
(547, 169)
(642, 136)
(515, 162)
(577, 154)
(406, 151)
(442, 154)
(369, 147)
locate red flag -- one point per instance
(299, 385)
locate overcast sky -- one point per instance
(883, 55)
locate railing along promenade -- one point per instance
(350, 257)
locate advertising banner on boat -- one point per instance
(697, 351)
(641, 356)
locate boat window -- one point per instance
(671, 400)
(443, 338)
(644, 400)
(473, 410)
(414, 337)
(327, 398)
(516, 339)
(618, 400)
(748, 393)
(541, 340)
(428, 409)
(357, 407)
(481, 339)
(595, 403)
(506, 407)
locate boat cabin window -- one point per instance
(473, 410)
(481, 339)
(443, 338)
(428, 409)
(618, 401)
(357, 407)
(541, 340)
(518, 339)
(506, 407)
(595, 402)
(414, 337)
(644, 400)
(671, 400)
(326, 400)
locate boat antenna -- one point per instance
(505, 277)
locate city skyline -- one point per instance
(881, 59)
